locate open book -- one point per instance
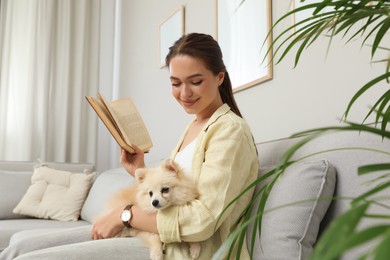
(123, 121)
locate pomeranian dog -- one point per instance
(156, 189)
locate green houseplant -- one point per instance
(368, 22)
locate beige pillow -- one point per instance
(55, 194)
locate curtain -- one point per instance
(48, 64)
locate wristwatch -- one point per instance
(126, 216)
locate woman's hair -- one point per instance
(205, 48)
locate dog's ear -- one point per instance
(170, 165)
(140, 174)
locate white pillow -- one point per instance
(55, 194)
(290, 232)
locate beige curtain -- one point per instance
(48, 63)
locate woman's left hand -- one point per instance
(108, 225)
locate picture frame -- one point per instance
(242, 32)
(171, 29)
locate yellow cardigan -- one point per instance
(224, 164)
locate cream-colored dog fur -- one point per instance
(156, 189)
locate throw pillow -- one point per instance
(290, 232)
(13, 185)
(55, 194)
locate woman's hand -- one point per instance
(131, 162)
(108, 225)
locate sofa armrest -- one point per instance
(104, 186)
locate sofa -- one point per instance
(298, 209)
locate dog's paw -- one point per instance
(156, 254)
(194, 250)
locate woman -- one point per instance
(218, 149)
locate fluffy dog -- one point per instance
(156, 189)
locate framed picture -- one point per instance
(171, 29)
(242, 29)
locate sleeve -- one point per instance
(228, 161)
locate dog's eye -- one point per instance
(150, 193)
(165, 190)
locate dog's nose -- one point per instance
(155, 203)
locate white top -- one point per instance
(184, 158)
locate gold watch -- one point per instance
(126, 216)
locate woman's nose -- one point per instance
(186, 91)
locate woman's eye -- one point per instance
(197, 83)
(175, 84)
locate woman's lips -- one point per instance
(188, 103)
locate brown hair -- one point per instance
(205, 48)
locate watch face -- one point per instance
(126, 215)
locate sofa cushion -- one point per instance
(123, 248)
(55, 194)
(13, 186)
(290, 231)
(9, 227)
(105, 184)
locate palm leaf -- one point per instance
(338, 231)
(383, 100)
(373, 30)
(382, 251)
(363, 90)
(385, 117)
(371, 192)
(301, 32)
(356, 239)
(247, 189)
(362, 30)
(379, 36)
(349, 21)
(346, 15)
(373, 167)
(378, 179)
(310, 37)
(349, 127)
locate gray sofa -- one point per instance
(289, 232)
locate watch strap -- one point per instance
(127, 223)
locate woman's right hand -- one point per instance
(107, 225)
(131, 162)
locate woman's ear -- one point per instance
(221, 77)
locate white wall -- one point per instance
(312, 95)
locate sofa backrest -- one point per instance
(29, 166)
(104, 186)
(346, 151)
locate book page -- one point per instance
(130, 123)
(104, 105)
(107, 119)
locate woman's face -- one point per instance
(194, 86)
